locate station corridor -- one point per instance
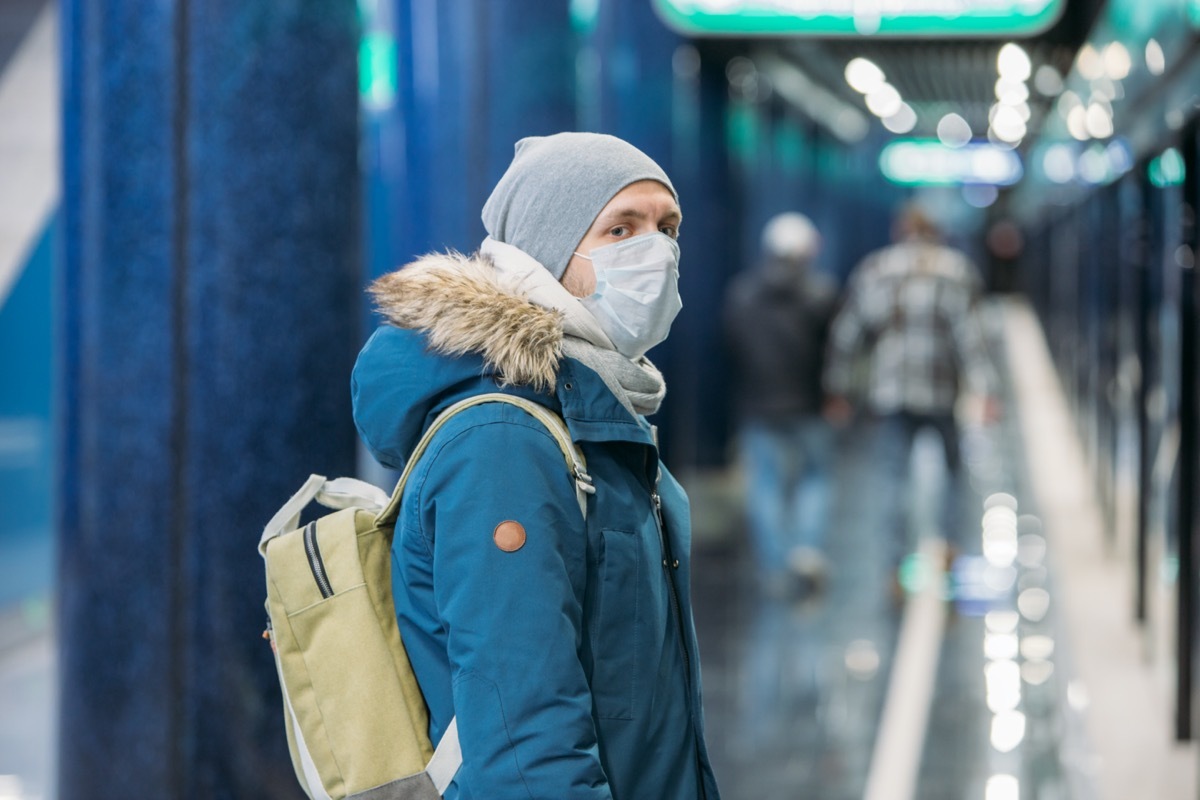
(1005, 680)
(193, 196)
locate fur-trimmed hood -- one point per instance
(461, 325)
(456, 325)
(462, 304)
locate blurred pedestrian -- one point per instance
(776, 320)
(912, 310)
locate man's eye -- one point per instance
(670, 230)
(618, 231)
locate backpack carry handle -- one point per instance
(553, 422)
(338, 493)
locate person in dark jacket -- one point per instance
(777, 320)
(564, 645)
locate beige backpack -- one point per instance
(355, 717)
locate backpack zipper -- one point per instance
(315, 562)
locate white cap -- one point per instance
(791, 235)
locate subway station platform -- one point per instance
(1019, 676)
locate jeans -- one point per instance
(894, 435)
(787, 487)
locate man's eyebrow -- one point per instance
(636, 214)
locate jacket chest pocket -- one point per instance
(617, 634)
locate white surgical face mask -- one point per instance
(637, 291)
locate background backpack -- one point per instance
(357, 724)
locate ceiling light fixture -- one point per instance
(1013, 62)
(863, 75)
(1089, 63)
(1007, 123)
(1156, 60)
(1059, 163)
(953, 130)
(1099, 121)
(903, 121)
(884, 101)
(1077, 123)
(1010, 92)
(1048, 81)
(1117, 62)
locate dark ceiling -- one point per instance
(934, 76)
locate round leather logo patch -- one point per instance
(509, 536)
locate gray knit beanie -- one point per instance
(556, 186)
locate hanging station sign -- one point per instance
(956, 18)
(928, 162)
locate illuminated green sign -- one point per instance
(859, 17)
(1168, 169)
(928, 162)
(377, 79)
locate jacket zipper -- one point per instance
(671, 563)
(315, 562)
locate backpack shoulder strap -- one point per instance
(448, 756)
(572, 454)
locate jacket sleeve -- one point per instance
(847, 332)
(970, 342)
(513, 617)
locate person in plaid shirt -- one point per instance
(910, 322)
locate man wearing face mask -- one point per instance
(563, 646)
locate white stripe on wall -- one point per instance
(29, 144)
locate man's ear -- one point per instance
(579, 278)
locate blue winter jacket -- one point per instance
(570, 662)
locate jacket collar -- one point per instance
(502, 306)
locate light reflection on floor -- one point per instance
(794, 689)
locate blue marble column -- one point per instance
(668, 96)
(209, 297)
(471, 78)
(696, 419)
(457, 84)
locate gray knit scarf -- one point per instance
(638, 385)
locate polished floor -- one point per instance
(796, 688)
